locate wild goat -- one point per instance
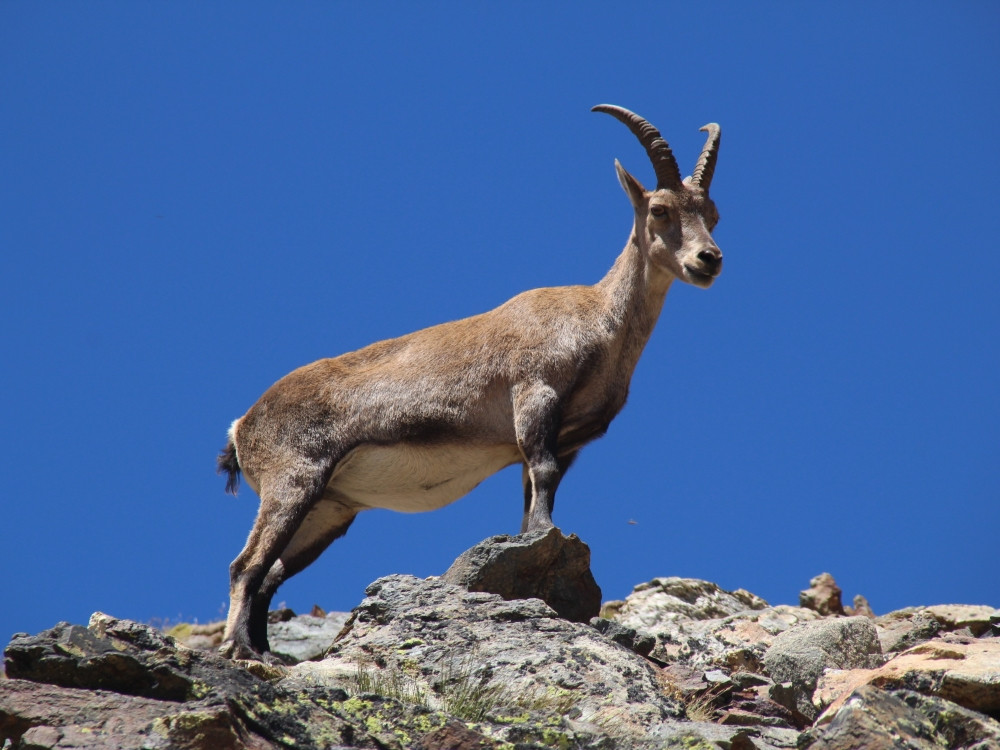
(414, 423)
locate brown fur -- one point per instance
(415, 422)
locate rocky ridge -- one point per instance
(508, 650)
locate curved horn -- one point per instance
(668, 176)
(705, 168)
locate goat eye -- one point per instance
(658, 211)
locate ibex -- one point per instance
(414, 423)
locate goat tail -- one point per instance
(229, 463)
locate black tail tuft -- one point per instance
(227, 462)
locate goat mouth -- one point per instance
(700, 278)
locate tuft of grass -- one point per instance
(465, 696)
(390, 682)
(552, 700)
(703, 706)
(460, 691)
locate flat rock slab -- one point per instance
(544, 565)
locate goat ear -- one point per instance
(633, 188)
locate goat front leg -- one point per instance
(536, 425)
(529, 493)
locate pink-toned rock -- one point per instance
(834, 684)
(823, 596)
(861, 607)
(683, 681)
(965, 671)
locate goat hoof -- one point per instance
(277, 660)
(238, 652)
(538, 528)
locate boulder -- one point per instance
(526, 664)
(39, 715)
(121, 656)
(544, 565)
(800, 655)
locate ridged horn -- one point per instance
(668, 176)
(705, 168)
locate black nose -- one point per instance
(712, 258)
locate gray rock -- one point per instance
(801, 654)
(959, 727)
(544, 565)
(662, 600)
(744, 680)
(900, 630)
(700, 734)
(704, 626)
(121, 684)
(640, 643)
(120, 656)
(306, 637)
(976, 619)
(440, 639)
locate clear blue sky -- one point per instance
(196, 198)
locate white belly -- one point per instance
(413, 478)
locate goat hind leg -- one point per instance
(326, 521)
(284, 505)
